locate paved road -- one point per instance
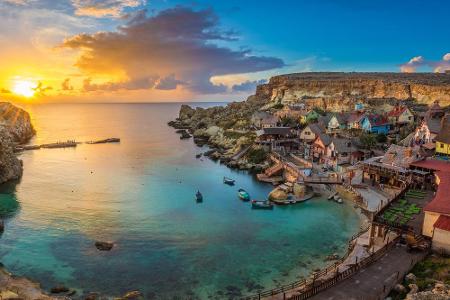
(374, 282)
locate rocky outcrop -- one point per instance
(13, 287)
(335, 91)
(440, 291)
(15, 128)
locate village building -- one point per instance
(270, 121)
(435, 111)
(436, 224)
(393, 168)
(359, 107)
(443, 138)
(375, 124)
(334, 123)
(262, 119)
(354, 120)
(277, 138)
(319, 147)
(310, 132)
(400, 115)
(291, 111)
(340, 152)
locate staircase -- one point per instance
(273, 169)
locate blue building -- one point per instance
(375, 124)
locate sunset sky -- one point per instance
(164, 50)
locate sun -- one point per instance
(24, 88)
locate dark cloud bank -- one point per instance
(175, 47)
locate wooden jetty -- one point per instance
(104, 141)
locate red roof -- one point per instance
(443, 222)
(433, 164)
(377, 120)
(397, 111)
(441, 202)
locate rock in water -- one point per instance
(133, 295)
(104, 246)
(59, 289)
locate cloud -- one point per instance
(4, 91)
(15, 2)
(419, 61)
(104, 8)
(247, 86)
(135, 84)
(168, 83)
(66, 86)
(40, 89)
(176, 43)
(412, 65)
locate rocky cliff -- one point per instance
(335, 91)
(15, 128)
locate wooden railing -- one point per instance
(314, 288)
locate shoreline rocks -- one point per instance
(15, 128)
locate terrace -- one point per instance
(407, 211)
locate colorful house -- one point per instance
(311, 116)
(334, 122)
(400, 114)
(375, 124)
(319, 147)
(443, 138)
(354, 120)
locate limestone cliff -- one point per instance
(15, 128)
(334, 91)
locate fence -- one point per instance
(306, 282)
(314, 289)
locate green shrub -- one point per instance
(257, 156)
(381, 138)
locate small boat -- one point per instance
(332, 196)
(262, 204)
(337, 199)
(243, 195)
(199, 196)
(228, 181)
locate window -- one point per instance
(441, 145)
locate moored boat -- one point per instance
(243, 195)
(199, 196)
(262, 204)
(228, 181)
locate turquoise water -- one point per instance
(140, 195)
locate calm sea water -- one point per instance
(140, 194)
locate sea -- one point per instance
(140, 195)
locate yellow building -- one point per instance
(443, 137)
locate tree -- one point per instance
(368, 140)
(288, 122)
(381, 138)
